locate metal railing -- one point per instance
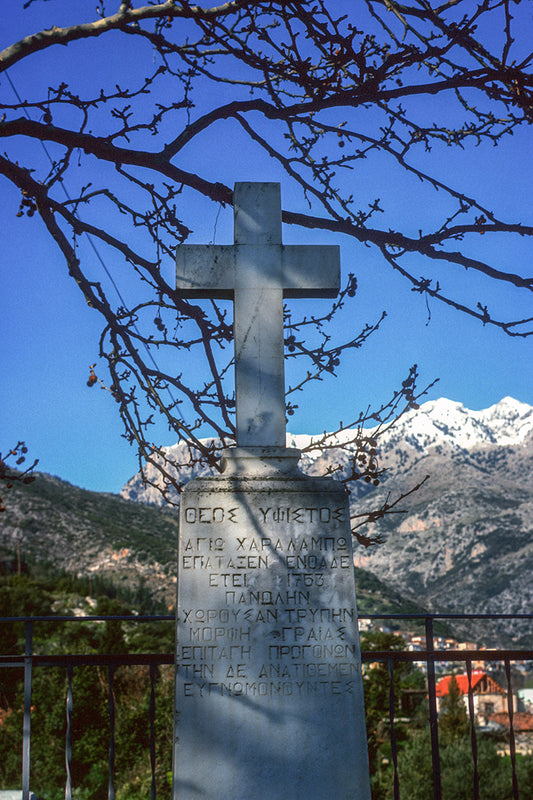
(429, 657)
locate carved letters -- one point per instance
(264, 620)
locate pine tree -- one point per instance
(453, 719)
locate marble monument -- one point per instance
(269, 701)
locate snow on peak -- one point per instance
(446, 421)
(436, 423)
(449, 422)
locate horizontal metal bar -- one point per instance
(95, 618)
(171, 617)
(367, 656)
(445, 616)
(94, 659)
(446, 655)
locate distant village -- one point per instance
(484, 690)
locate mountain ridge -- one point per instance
(463, 541)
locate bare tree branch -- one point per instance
(318, 93)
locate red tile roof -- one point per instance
(443, 686)
(522, 722)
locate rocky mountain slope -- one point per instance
(89, 533)
(464, 541)
(52, 524)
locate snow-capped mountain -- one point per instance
(438, 425)
(461, 543)
(448, 422)
(508, 422)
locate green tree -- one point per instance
(494, 775)
(132, 696)
(457, 771)
(112, 636)
(453, 720)
(384, 684)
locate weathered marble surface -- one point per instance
(269, 692)
(258, 271)
(269, 702)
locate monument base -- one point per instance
(269, 700)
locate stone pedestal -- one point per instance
(269, 701)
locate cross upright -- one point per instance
(257, 272)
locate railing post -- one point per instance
(473, 739)
(433, 716)
(152, 731)
(111, 786)
(26, 730)
(68, 740)
(510, 711)
(394, 748)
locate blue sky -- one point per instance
(49, 337)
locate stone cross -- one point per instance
(257, 272)
(269, 690)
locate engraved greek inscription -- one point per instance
(268, 688)
(207, 616)
(196, 653)
(229, 654)
(265, 544)
(202, 562)
(323, 543)
(267, 597)
(234, 616)
(207, 633)
(317, 634)
(306, 579)
(204, 544)
(274, 671)
(318, 615)
(282, 633)
(237, 671)
(262, 615)
(248, 562)
(208, 515)
(267, 627)
(311, 652)
(311, 561)
(314, 669)
(197, 671)
(344, 562)
(321, 634)
(225, 579)
(311, 545)
(187, 652)
(300, 515)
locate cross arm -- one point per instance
(203, 272)
(306, 270)
(311, 270)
